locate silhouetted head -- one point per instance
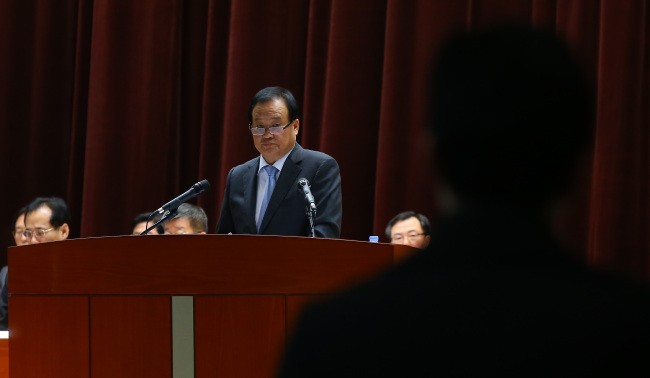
(510, 114)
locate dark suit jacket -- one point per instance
(286, 213)
(492, 296)
(4, 304)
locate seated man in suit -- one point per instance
(46, 219)
(19, 227)
(262, 195)
(496, 293)
(409, 228)
(18, 232)
(191, 219)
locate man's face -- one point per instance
(268, 114)
(19, 228)
(39, 220)
(179, 226)
(409, 232)
(140, 227)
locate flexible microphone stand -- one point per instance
(170, 209)
(311, 213)
(166, 216)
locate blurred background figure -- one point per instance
(139, 224)
(17, 231)
(409, 228)
(191, 219)
(19, 227)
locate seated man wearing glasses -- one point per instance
(262, 195)
(46, 219)
(409, 228)
(191, 219)
(18, 232)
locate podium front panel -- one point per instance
(238, 336)
(130, 336)
(48, 336)
(103, 307)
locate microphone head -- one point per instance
(201, 186)
(302, 182)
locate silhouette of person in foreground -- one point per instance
(495, 294)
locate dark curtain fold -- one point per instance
(119, 106)
(619, 208)
(413, 31)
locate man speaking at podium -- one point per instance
(262, 195)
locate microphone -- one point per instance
(194, 191)
(303, 184)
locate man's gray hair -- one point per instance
(197, 217)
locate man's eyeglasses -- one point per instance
(38, 233)
(177, 231)
(398, 238)
(275, 129)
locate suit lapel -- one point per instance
(290, 171)
(249, 185)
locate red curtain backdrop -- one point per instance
(119, 106)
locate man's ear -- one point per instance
(296, 126)
(65, 231)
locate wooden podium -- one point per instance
(171, 305)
